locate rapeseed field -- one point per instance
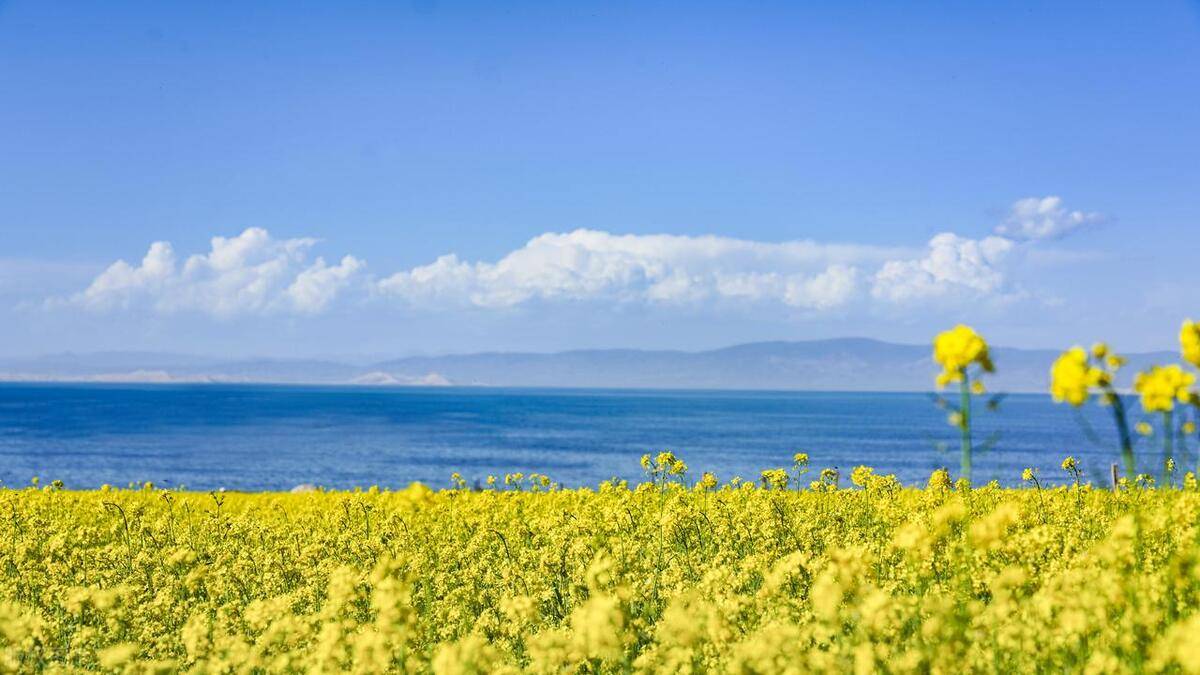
(670, 575)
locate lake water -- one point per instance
(276, 437)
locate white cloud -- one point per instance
(253, 273)
(662, 269)
(316, 287)
(247, 274)
(952, 265)
(1042, 218)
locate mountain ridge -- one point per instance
(833, 364)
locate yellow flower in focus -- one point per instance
(1161, 386)
(664, 460)
(1027, 475)
(776, 479)
(1144, 428)
(800, 458)
(1189, 342)
(1072, 377)
(939, 479)
(1069, 464)
(861, 475)
(708, 480)
(958, 348)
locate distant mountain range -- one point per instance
(845, 364)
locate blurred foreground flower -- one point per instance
(958, 351)
(1078, 374)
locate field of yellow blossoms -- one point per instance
(665, 576)
(789, 572)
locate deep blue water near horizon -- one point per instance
(264, 437)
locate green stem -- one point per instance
(1118, 408)
(1196, 420)
(965, 424)
(1168, 446)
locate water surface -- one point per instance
(252, 437)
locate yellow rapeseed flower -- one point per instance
(1161, 386)
(939, 480)
(957, 349)
(1144, 428)
(1189, 342)
(861, 475)
(776, 479)
(1072, 377)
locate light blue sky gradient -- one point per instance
(400, 132)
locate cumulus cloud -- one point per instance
(660, 269)
(951, 265)
(1035, 218)
(253, 273)
(248, 274)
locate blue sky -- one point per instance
(398, 133)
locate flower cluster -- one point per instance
(1074, 376)
(775, 479)
(957, 349)
(1189, 342)
(663, 466)
(1162, 386)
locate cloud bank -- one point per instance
(254, 273)
(587, 265)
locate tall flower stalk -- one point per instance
(1189, 348)
(959, 351)
(1160, 388)
(1077, 374)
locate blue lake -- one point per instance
(275, 437)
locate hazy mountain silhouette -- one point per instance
(845, 364)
